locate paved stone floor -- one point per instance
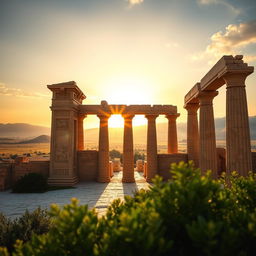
(98, 195)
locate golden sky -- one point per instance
(127, 52)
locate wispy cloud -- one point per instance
(233, 40)
(6, 91)
(134, 2)
(229, 6)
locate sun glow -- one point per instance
(116, 121)
(124, 90)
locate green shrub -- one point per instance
(22, 228)
(188, 215)
(31, 183)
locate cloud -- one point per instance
(229, 6)
(134, 2)
(19, 93)
(234, 40)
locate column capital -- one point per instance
(128, 116)
(82, 115)
(172, 117)
(192, 108)
(235, 79)
(103, 117)
(206, 97)
(151, 117)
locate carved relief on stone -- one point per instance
(62, 123)
(61, 154)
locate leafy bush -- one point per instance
(188, 215)
(36, 222)
(31, 183)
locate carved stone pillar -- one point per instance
(172, 134)
(192, 133)
(128, 157)
(237, 125)
(151, 147)
(66, 100)
(103, 167)
(80, 123)
(208, 153)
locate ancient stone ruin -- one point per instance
(70, 163)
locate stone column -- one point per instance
(128, 157)
(172, 134)
(237, 125)
(103, 160)
(192, 133)
(208, 153)
(80, 123)
(151, 147)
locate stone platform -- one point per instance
(98, 195)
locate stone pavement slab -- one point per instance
(98, 195)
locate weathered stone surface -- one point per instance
(103, 174)
(172, 143)
(192, 133)
(151, 148)
(128, 157)
(207, 145)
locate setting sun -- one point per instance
(116, 121)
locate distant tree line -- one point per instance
(117, 154)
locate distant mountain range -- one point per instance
(21, 130)
(39, 139)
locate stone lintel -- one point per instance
(128, 109)
(191, 96)
(213, 80)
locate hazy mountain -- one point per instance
(39, 139)
(22, 130)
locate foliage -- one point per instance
(36, 222)
(188, 215)
(115, 154)
(30, 183)
(138, 156)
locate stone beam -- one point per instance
(192, 95)
(214, 79)
(105, 108)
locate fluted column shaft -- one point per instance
(172, 134)
(151, 147)
(80, 122)
(103, 159)
(192, 133)
(128, 157)
(208, 154)
(237, 125)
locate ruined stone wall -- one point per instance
(5, 176)
(165, 160)
(20, 169)
(87, 165)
